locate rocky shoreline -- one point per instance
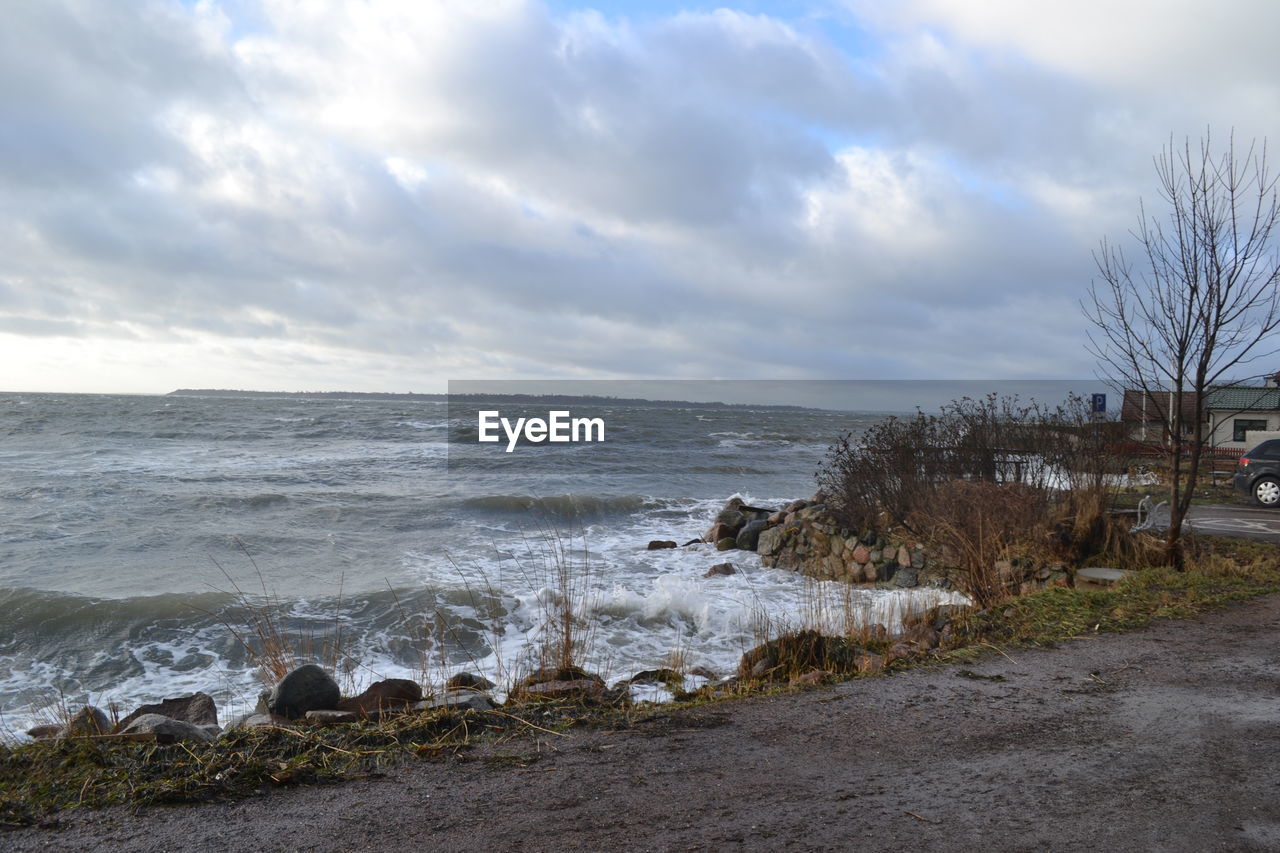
(804, 536)
(1045, 737)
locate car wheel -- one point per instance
(1266, 492)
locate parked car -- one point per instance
(1258, 474)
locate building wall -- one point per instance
(1224, 423)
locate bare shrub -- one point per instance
(978, 523)
(1056, 462)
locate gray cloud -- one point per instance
(422, 189)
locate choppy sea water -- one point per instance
(134, 530)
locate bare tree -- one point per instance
(1200, 303)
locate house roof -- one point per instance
(1156, 406)
(1228, 398)
(1240, 398)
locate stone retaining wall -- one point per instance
(804, 537)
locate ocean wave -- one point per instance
(566, 506)
(258, 501)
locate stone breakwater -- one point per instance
(805, 537)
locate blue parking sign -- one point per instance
(1099, 404)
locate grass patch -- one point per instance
(1220, 572)
(41, 778)
(1226, 571)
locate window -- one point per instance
(1242, 425)
(1267, 450)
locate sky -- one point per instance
(378, 195)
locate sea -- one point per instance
(149, 544)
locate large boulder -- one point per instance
(469, 681)
(906, 577)
(578, 688)
(720, 531)
(562, 683)
(89, 722)
(169, 730)
(458, 700)
(769, 541)
(661, 545)
(198, 709)
(732, 517)
(391, 694)
(663, 675)
(749, 536)
(307, 688)
(755, 513)
(256, 720)
(49, 730)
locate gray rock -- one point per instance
(665, 675)
(769, 541)
(731, 517)
(89, 722)
(576, 688)
(719, 531)
(307, 688)
(167, 729)
(460, 700)
(749, 536)
(726, 544)
(906, 577)
(45, 732)
(386, 696)
(197, 709)
(331, 718)
(469, 681)
(256, 720)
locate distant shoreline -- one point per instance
(540, 399)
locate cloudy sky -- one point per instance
(384, 195)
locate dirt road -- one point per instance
(1163, 739)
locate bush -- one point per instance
(981, 478)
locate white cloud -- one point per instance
(1148, 45)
